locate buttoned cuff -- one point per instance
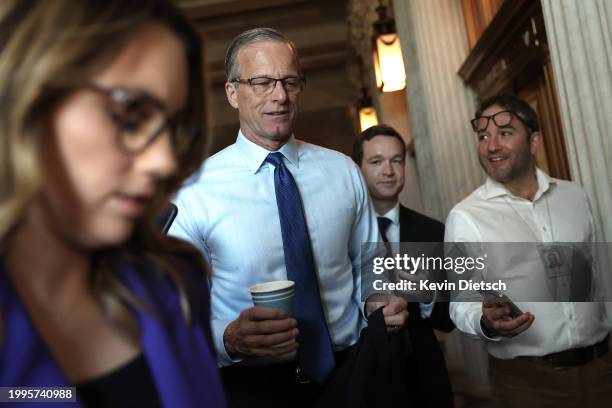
(218, 327)
(426, 309)
(485, 333)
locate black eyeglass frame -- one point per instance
(512, 113)
(171, 121)
(248, 81)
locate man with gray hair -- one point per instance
(271, 207)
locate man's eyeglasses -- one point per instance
(140, 119)
(265, 85)
(500, 119)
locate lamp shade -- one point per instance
(378, 75)
(389, 63)
(367, 117)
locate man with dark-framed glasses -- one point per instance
(271, 207)
(551, 350)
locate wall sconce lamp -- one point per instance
(366, 110)
(388, 60)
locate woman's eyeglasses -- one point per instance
(140, 119)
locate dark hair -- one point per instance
(232, 69)
(370, 133)
(510, 102)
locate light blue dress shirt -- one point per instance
(229, 212)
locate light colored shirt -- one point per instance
(393, 235)
(559, 212)
(230, 213)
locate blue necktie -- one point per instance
(315, 350)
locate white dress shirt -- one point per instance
(230, 214)
(559, 212)
(393, 235)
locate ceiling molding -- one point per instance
(199, 10)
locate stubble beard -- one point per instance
(522, 165)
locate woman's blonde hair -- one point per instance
(47, 49)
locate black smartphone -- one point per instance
(500, 298)
(166, 217)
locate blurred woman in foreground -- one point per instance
(100, 118)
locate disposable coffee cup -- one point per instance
(276, 294)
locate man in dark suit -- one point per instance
(380, 152)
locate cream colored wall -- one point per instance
(434, 43)
(579, 32)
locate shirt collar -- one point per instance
(255, 155)
(392, 214)
(545, 183)
(494, 189)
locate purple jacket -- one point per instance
(181, 357)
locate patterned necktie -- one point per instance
(315, 350)
(383, 224)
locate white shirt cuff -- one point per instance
(426, 309)
(481, 333)
(218, 329)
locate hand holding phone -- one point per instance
(500, 299)
(501, 316)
